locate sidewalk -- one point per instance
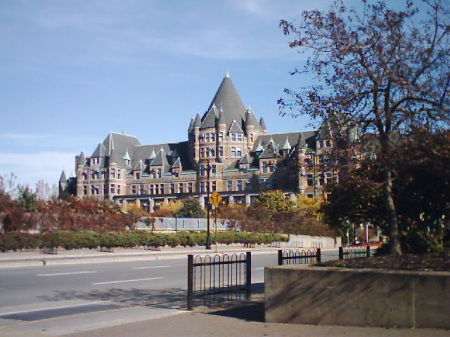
(243, 321)
(36, 257)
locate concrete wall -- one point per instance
(337, 296)
(308, 241)
(183, 224)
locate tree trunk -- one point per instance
(391, 215)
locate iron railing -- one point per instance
(218, 278)
(299, 256)
(353, 252)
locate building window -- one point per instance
(190, 190)
(180, 188)
(320, 144)
(141, 189)
(113, 188)
(133, 189)
(220, 136)
(85, 176)
(239, 152)
(202, 187)
(213, 152)
(251, 137)
(85, 190)
(119, 171)
(328, 143)
(207, 138)
(151, 189)
(118, 189)
(138, 175)
(202, 152)
(213, 186)
(233, 151)
(329, 178)
(113, 173)
(233, 137)
(161, 188)
(321, 179)
(240, 137)
(213, 137)
(220, 151)
(310, 179)
(239, 185)
(213, 170)
(172, 188)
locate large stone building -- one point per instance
(228, 150)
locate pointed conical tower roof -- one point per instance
(63, 178)
(286, 145)
(251, 120)
(153, 154)
(262, 124)
(197, 121)
(229, 101)
(191, 125)
(81, 159)
(301, 141)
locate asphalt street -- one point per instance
(58, 299)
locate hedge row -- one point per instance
(93, 240)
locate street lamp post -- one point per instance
(208, 228)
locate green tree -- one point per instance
(27, 199)
(380, 70)
(191, 209)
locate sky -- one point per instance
(71, 71)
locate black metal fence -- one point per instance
(299, 256)
(353, 252)
(218, 278)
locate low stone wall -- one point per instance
(352, 297)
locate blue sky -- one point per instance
(71, 71)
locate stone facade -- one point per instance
(227, 150)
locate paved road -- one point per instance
(64, 298)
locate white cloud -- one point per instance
(32, 167)
(16, 140)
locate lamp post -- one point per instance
(208, 229)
